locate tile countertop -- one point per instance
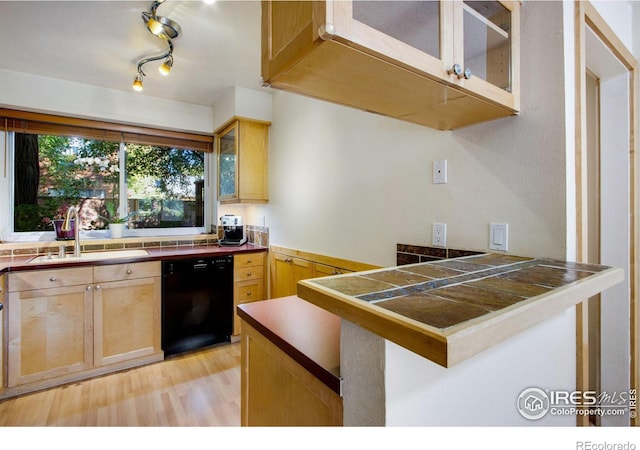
(451, 310)
(15, 263)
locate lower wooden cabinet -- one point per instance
(288, 266)
(248, 282)
(50, 328)
(127, 313)
(2, 300)
(277, 391)
(288, 270)
(67, 324)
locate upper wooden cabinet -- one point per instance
(242, 147)
(443, 64)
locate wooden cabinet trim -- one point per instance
(120, 272)
(50, 278)
(353, 266)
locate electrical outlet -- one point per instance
(439, 236)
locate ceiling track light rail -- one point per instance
(163, 28)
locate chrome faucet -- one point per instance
(76, 232)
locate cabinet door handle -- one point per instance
(249, 274)
(248, 293)
(52, 279)
(249, 261)
(88, 288)
(456, 70)
(129, 271)
(98, 287)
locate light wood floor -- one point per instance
(197, 389)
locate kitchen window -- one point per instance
(158, 182)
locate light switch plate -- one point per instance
(499, 236)
(440, 172)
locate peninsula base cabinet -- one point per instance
(2, 365)
(277, 391)
(74, 323)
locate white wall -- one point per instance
(50, 95)
(483, 390)
(618, 14)
(353, 184)
(512, 170)
(242, 102)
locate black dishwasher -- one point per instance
(197, 303)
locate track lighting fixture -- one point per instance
(165, 29)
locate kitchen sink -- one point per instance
(90, 256)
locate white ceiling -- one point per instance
(100, 42)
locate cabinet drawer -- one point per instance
(119, 272)
(248, 260)
(42, 279)
(249, 291)
(248, 273)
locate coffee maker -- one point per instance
(232, 230)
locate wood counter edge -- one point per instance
(321, 373)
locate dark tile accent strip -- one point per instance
(434, 284)
(411, 254)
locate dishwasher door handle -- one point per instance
(200, 266)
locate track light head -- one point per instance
(137, 83)
(166, 66)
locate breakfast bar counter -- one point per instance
(450, 310)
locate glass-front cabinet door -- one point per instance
(470, 44)
(487, 48)
(413, 33)
(228, 163)
(487, 42)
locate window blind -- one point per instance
(36, 123)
